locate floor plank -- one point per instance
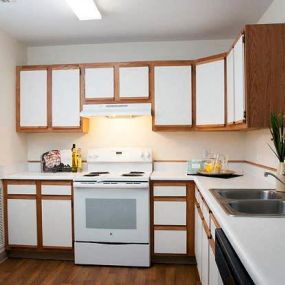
(50, 272)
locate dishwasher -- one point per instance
(229, 265)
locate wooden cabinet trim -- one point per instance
(56, 182)
(169, 199)
(211, 58)
(169, 228)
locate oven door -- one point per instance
(111, 214)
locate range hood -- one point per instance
(116, 110)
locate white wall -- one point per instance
(13, 145)
(137, 131)
(106, 132)
(274, 14)
(256, 143)
(126, 51)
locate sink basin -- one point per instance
(245, 194)
(258, 207)
(251, 202)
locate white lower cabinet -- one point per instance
(56, 223)
(22, 222)
(169, 213)
(214, 275)
(173, 242)
(205, 257)
(198, 240)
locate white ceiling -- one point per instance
(49, 22)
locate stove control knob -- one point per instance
(142, 155)
(147, 155)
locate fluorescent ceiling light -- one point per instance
(85, 9)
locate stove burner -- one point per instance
(96, 173)
(133, 174)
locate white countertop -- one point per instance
(259, 242)
(42, 176)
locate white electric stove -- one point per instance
(111, 208)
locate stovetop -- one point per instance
(113, 176)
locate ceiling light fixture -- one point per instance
(85, 9)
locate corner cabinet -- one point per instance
(38, 215)
(172, 221)
(49, 99)
(172, 97)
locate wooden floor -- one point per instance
(29, 271)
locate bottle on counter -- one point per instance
(74, 158)
(79, 160)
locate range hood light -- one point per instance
(85, 9)
(116, 110)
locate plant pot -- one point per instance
(280, 187)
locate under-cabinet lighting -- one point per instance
(85, 9)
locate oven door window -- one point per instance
(111, 213)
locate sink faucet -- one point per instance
(266, 174)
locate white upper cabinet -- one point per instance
(134, 82)
(33, 98)
(173, 96)
(66, 98)
(239, 80)
(210, 93)
(230, 88)
(99, 83)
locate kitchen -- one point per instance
(49, 101)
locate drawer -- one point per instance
(213, 225)
(198, 196)
(28, 189)
(168, 241)
(170, 190)
(169, 213)
(56, 189)
(205, 212)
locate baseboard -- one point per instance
(3, 256)
(191, 260)
(67, 256)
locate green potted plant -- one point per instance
(277, 130)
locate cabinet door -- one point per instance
(171, 242)
(198, 241)
(57, 223)
(134, 82)
(210, 93)
(214, 275)
(173, 96)
(239, 80)
(33, 98)
(66, 98)
(22, 222)
(204, 258)
(169, 213)
(230, 88)
(99, 83)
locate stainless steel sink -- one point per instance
(251, 202)
(245, 194)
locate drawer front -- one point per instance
(206, 212)
(173, 242)
(56, 190)
(28, 189)
(169, 191)
(169, 213)
(198, 196)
